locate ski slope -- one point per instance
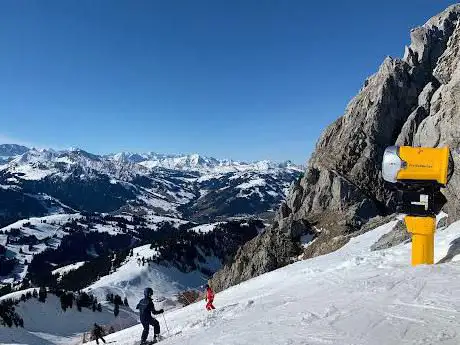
(351, 296)
(132, 277)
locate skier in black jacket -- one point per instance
(98, 332)
(146, 309)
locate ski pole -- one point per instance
(166, 324)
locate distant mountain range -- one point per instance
(37, 182)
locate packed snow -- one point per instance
(351, 296)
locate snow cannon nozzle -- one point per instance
(418, 174)
(417, 165)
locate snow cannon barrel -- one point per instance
(420, 165)
(418, 174)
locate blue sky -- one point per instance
(241, 79)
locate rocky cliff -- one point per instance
(410, 101)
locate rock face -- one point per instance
(266, 252)
(409, 101)
(396, 236)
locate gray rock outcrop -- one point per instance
(396, 236)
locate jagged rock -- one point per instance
(442, 127)
(413, 101)
(428, 42)
(374, 223)
(271, 250)
(396, 236)
(345, 168)
(442, 223)
(275, 248)
(406, 137)
(427, 93)
(450, 59)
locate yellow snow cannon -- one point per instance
(418, 173)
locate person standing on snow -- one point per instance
(209, 298)
(146, 309)
(98, 332)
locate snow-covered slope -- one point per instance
(132, 277)
(351, 296)
(46, 323)
(26, 238)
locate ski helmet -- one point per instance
(148, 292)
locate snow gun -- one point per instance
(418, 174)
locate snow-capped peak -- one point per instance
(11, 150)
(197, 162)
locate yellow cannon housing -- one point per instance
(418, 173)
(407, 164)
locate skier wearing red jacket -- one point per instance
(209, 298)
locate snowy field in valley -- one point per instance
(352, 296)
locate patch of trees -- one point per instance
(5, 289)
(42, 294)
(8, 314)
(91, 271)
(132, 220)
(68, 299)
(80, 299)
(186, 249)
(91, 195)
(117, 302)
(7, 265)
(30, 240)
(79, 246)
(16, 205)
(14, 232)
